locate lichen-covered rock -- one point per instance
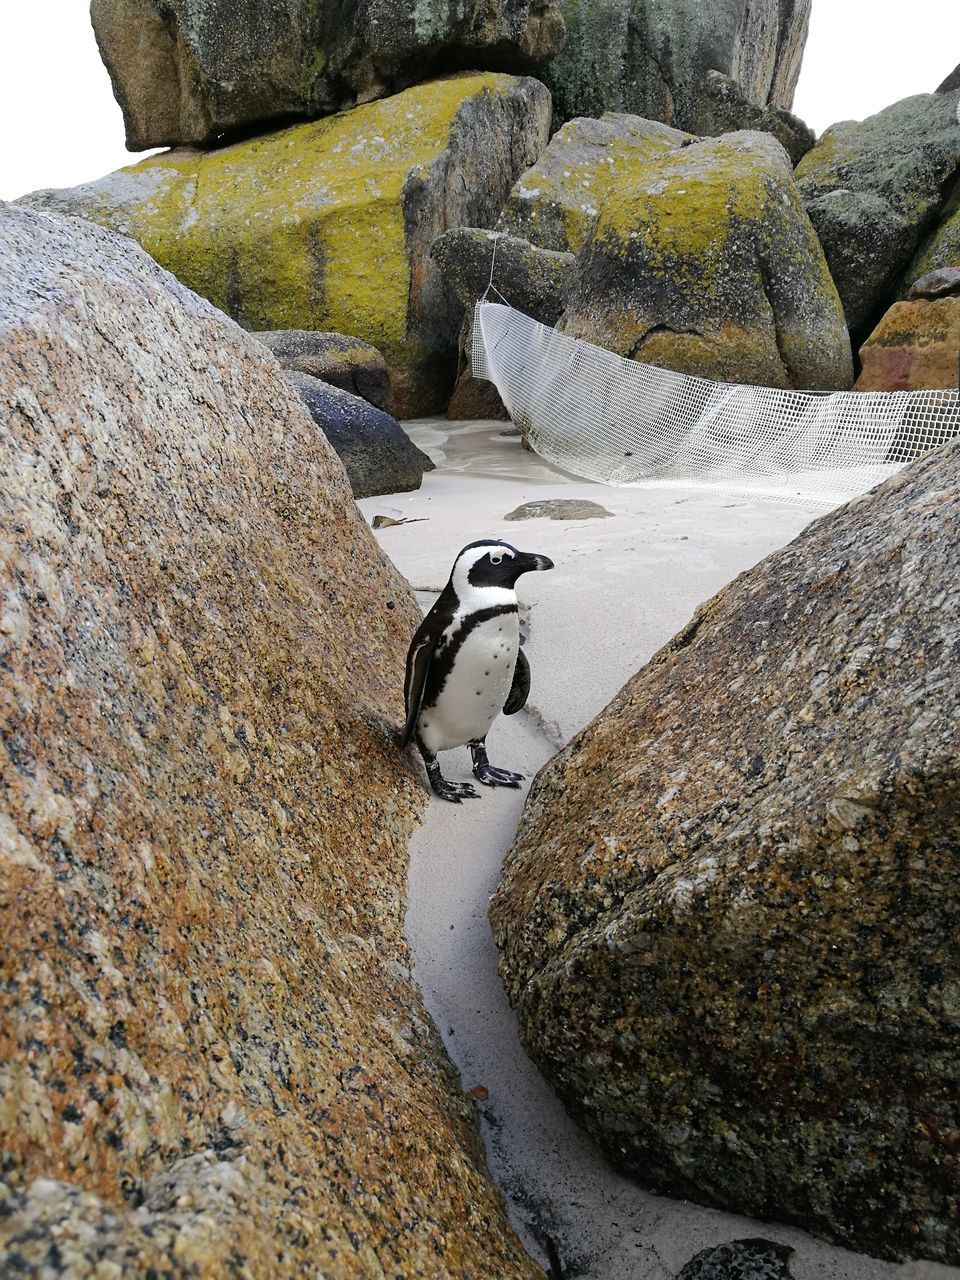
(915, 345)
(214, 1059)
(874, 189)
(341, 361)
(556, 202)
(723, 109)
(728, 923)
(653, 57)
(189, 73)
(377, 453)
(329, 225)
(705, 262)
(533, 280)
(941, 251)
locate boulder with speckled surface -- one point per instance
(214, 1058)
(728, 923)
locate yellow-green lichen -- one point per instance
(302, 228)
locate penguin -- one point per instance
(465, 664)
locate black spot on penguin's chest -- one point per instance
(445, 657)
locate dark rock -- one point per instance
(728, 924)
(724, 109)
(874, 189)
(705, 261)
(740, 1260)
(347, 363)
(532, 280)
(941, 283)
(378, 454)
(653, 57)
(188, 73)
(559, 509)
(952, 82)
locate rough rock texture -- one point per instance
(705, 261)
(728, 923)
(915, 345)
(952, 82)
(329, 225)
(874, 189)
(533, 280)
(943, 282)
(341, 361)
(187, 73)
(653, 57)
(556, 203)
(213, 1059)
(377, 453)
(941, 251)
(741, 1260)
(723, 109)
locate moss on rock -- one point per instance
(327, 225)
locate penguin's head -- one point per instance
(489, 563)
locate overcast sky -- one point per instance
(62, 126)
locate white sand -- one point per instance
(622, 586)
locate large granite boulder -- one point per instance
(344, 362)
(215, 1061)
(874, 189)
(915, 345)
(532, 280)
(705, 261)
(556, 202)
(724, 109)
(952, 82)
(377, 453)
(653, 57)
(328, 225)
(728, 923)
(189, 73)
(941, 251)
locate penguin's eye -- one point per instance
(495, 557)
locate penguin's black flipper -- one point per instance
(520, 689)
(418, 664)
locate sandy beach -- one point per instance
(622, 586)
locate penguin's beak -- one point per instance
(527, 561)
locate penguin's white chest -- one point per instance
(476, 686)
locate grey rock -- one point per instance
(185, 73)
(559, 509)
(952, 82)
(874, 189)
(348, 363)
(652, 57)
(940, 252)
(740, 1260)
(377, 453)
(724, 109)
(704, 260)
(533, 280)
(942, 283)
(728, 922)
(556, 202)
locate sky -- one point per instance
(62, 126)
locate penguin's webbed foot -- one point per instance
(484, 771)
(455, 792)
(491, 777)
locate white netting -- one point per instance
(620, 422)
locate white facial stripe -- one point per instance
(466, 561)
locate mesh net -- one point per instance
(620, 422)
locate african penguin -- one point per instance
(465, 665)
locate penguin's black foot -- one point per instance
(491, 777)
(484, 771)
(455, 792)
